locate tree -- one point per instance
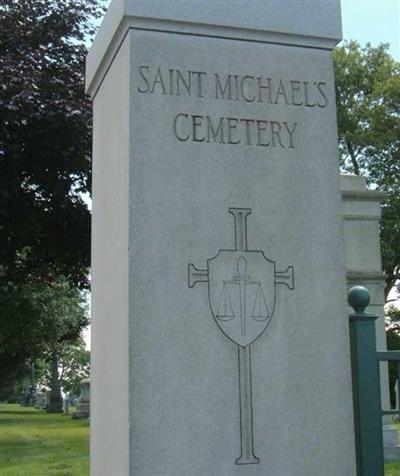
(66, 317)
(45, 318)
(45, 144)
(393, 343)
(74, 366)
(368, 98)
(21, 327)
(45, 139)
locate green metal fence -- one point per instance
(365, 361)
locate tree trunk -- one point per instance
(356, 167)
(55, 403)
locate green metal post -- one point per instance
(366, 386)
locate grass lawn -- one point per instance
(35, 443)
(392, 469)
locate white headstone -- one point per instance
(66, 405)
(83, 402)
(40, 400)
(220, 329)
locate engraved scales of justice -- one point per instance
(241, 291)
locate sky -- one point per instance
(374, 21)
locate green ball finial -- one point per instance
(358, 298)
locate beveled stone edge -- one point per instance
(365, 276)
(96, 68)
(361, 217)
(369, 278)
(363, 195)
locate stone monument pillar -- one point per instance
(361, 215)
(220, 341)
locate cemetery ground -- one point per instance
(36, 443)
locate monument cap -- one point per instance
(292, 22)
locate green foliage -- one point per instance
(20, 329)
(390, 240)
(393, 343)
(64, 310)
(74, 366)
(368, 103)
(393, 314)
(368, 97)
(45, 164)
(45, 139)
(11, 392)
(35, 320)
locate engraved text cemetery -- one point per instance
(263, 132)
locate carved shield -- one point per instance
(241, 289)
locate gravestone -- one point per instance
(40, 400)
(83, 402)
(66, 404)
(220, 340)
